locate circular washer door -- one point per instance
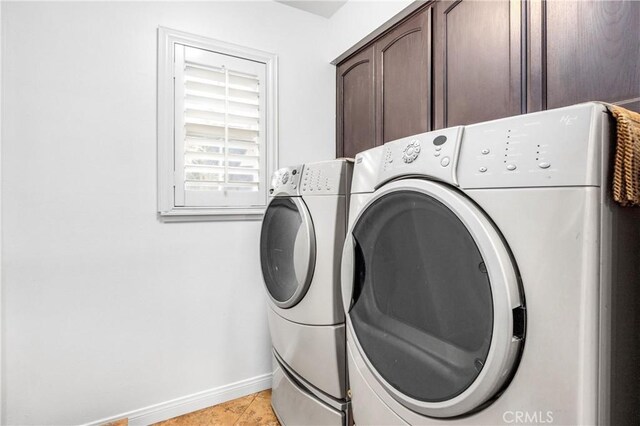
(436, 308)
(287, 250)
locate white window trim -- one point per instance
(167, 210)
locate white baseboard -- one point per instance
(187, 404)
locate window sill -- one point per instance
(200, 215)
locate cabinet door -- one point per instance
(584, 51)
(403, 79)
(355, 125)
(477, 61)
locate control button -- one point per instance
(294, 172)
(445, 162)
(285, 177)
(511, 166)
(438, 148)
(436, 154)
(485, 151)
(440, 140)
(294, 186)
(482, 169)
(544, 165)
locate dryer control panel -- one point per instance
(432, 154)
(560, 147)
(285, 181)
(331, 177)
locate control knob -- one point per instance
(411, 151)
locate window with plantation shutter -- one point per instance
(223, 128)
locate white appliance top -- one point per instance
(332, 177)
(560, 147)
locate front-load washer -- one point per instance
(303, 232)
(488, 278)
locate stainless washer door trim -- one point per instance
(307, 225)
(506, 295)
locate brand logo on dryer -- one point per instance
(411, 151)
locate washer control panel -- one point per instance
(551, 148)
(286, 181)
(431, 154)
(326, 178)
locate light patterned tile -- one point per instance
(259, 412)
(226, 413)
(121, 422)
(264, 394)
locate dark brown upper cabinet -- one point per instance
(403, 79)
(355, 125)
(477, 61)
(583, 51)
(457, 62)
(384, 90)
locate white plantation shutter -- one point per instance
(220, 123)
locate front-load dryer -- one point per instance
(303, 232)
(489, 279)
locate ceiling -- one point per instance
(321, 8)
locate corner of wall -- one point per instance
(2, 419)
(357, 19)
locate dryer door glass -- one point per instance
(423, 311)
(287, 250)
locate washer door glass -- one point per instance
(422, 310)
(287, 250)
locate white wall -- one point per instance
(356, 19)
(1, 302)
(106, 309)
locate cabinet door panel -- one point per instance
(355, 105)
(477, 61)
(403, 80)
(592, 52)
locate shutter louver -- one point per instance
(222, 129)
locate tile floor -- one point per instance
(254, 409)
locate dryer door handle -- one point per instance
(347, 272)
